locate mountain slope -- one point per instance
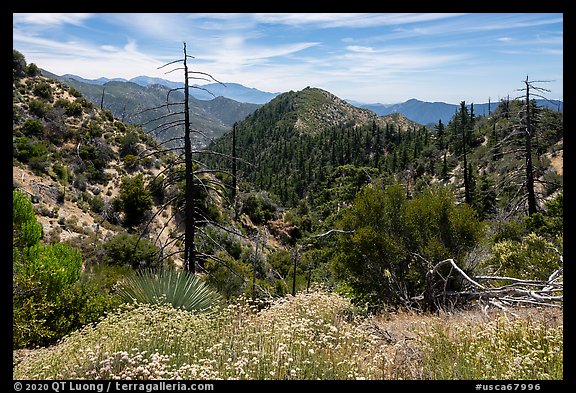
(310, 146)
(234, 91)
(299, 139)
(72, 157)
(99, 81)
(132, 102)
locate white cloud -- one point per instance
(414, 52)
(85, 59)
(50, 18)
(360, 49)
(235, 52)
(329, 20)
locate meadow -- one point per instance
(313, 335)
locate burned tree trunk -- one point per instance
(532, 208)
(190, 225)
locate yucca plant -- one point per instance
(179, 288)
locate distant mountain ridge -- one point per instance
(430, 112)
(233, 91)
(421, 112)
(127, 100)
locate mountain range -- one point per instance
(233, 91)
(421, 112)
(431, 112)
(132, 102)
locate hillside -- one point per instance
(72, 159)
(98, 184)
(130, 102)
(301, 144)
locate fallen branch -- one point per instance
(499, 291)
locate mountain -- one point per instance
(300, 138)
(312, 147)
(99, 81)
(430, 112)
(233, 91)
(131, 102)
(148, 80)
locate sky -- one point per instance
(368, 58)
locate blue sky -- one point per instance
(386, 58)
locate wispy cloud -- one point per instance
(84, 58)
(331, 20)
(49, 19)
(360, 49)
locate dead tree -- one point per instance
(187, 167)
(519, 143)
(464, 125)
(102, 98)
(531, 197)
(194, 173)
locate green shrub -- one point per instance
(96, 204)
(378, 259)
(70, 108)
(32, 127)
(550, 222)
(258, 206)
(533, 258)
(18, 64)
(43, 90)
(56, 266)
(74, 92)
(42, 320)
(108, 115)
(230, 277)
(135, 199)
(62, 173)
(26, 231)
(49, 299)
(157, 189)
(39, 164)
(130, 161)
(26, 149)
(33, 70)
(38, 108)
(128, 143)
(125, 249)
(508, 230)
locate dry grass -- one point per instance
(524, 344)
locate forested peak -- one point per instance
(312, 110)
